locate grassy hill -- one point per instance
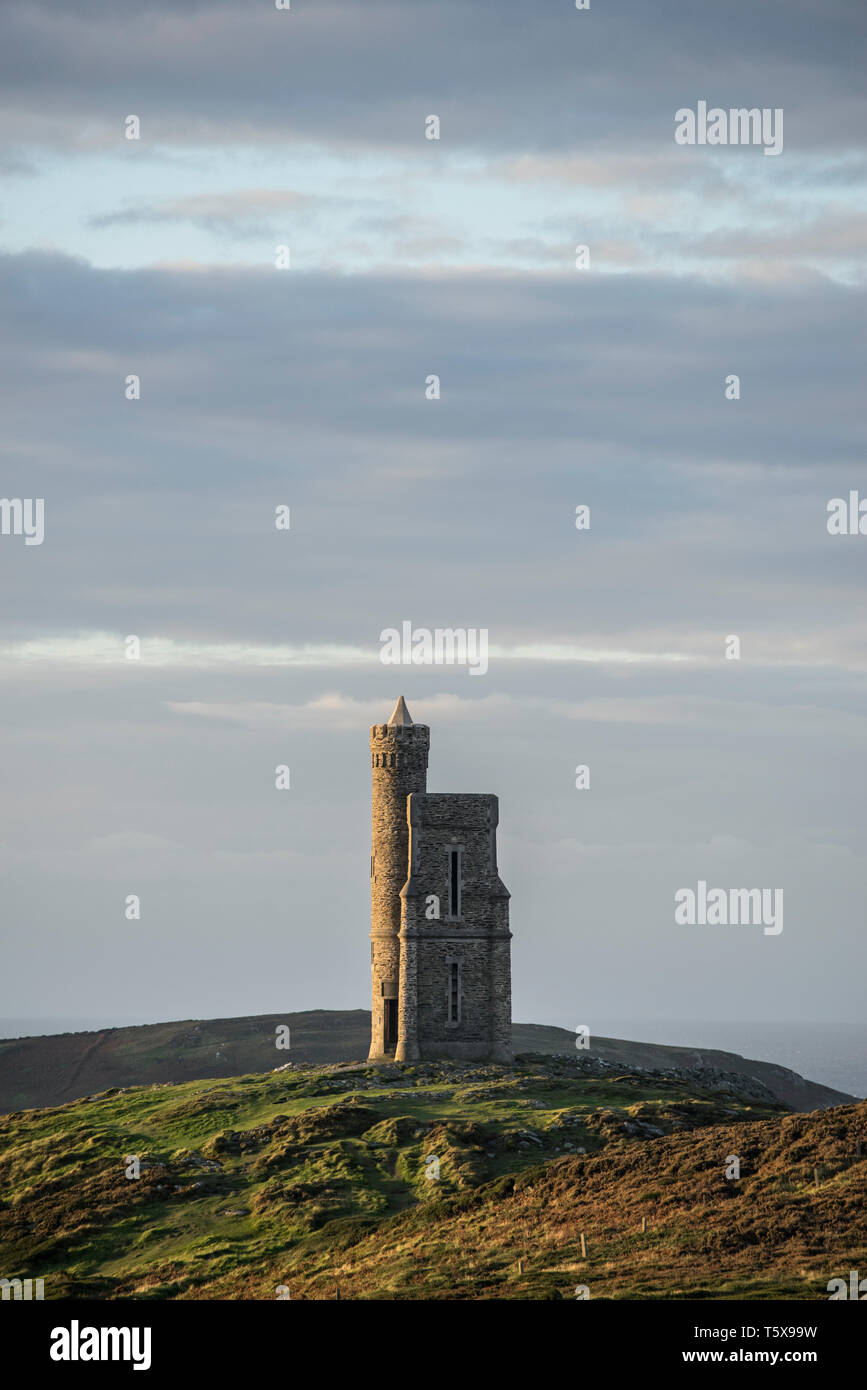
(42, 1071)
(316, 1178)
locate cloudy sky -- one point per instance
(305, 387)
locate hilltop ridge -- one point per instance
(55, 1069)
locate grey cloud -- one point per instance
(245, 212)
(262, 387)
(838, 235)
(351, 75)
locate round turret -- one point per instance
(398, 760)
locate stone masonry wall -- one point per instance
(477, 941)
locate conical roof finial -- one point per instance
(401, 714)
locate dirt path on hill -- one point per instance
(83, 1060)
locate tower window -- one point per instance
(389, 1025)
(454, 883)
(454, 992)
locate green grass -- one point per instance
(295, 1171)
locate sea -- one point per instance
(833, 1053)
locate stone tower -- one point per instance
(398, 758)
(440, 955)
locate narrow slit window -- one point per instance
(454, 883)
(454, 992)
(389, 1025)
